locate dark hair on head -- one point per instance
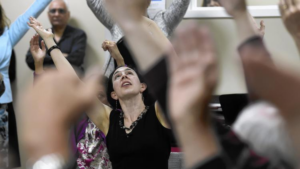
(148, 99)
(4, 21)
(206, 2)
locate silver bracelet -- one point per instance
(51, 161)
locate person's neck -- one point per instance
(132, 107)
(59, 30)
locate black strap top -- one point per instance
(147, 146)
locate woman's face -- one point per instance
(126, 83)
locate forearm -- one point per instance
(120, 62)
(39, 67)
(59, 60)
(147, 50)
(244, 26)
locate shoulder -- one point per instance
(160, 116)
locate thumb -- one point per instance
(43, 45)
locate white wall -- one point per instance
(224, 32)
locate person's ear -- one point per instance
(114, 95)
(143, 87)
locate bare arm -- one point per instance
(112, 48)
(65, 67)
(146, 41)
(60, 61)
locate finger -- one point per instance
(104, 46)
(281, 6)
(36, 39)
(262, 25)
(205, 43)
(43, 45)
(49, 30)
(31, 42)
(289, 3)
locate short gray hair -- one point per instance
(65, 1)
(262, 127)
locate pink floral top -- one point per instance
(92, 149)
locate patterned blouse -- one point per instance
(92, 149)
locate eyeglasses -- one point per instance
(60, 11)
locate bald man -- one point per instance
(72, 41)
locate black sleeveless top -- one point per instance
(147, 146)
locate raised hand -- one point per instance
(261, 27)
(45, 34)
(49, 109)
(193, 73)
(38, 53)
(114, 51)
(193, 78)
(290, 13)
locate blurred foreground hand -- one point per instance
(49, 108)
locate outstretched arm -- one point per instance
(65, 67)
(19, 27)
(139, 32)
(97, 6)
(249, 36)
(193, 76)
(60, 61)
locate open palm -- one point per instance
(39, 28)
(291, 18)
(193, 73)
(37, 52)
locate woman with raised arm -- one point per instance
(10, 35)
(166, 20)
(88, 142)
(137, 135)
